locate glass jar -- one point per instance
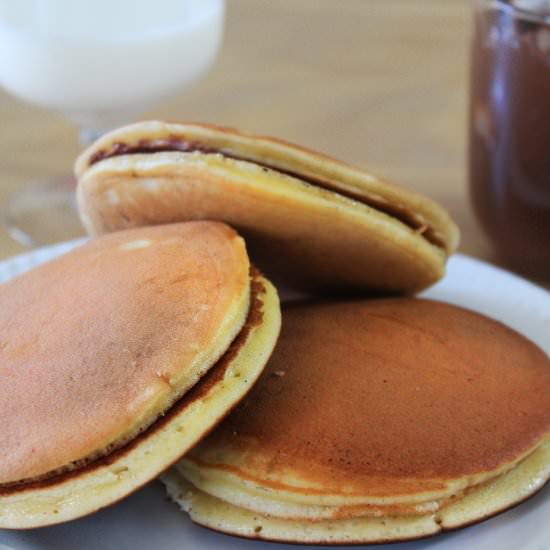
(509, 132)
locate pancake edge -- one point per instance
(530, 476)
(220, 481)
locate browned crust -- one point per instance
(214, 375)
(434, 408)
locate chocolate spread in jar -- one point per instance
(510, 129)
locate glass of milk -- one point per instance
(101, 63)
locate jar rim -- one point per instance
(521, 13)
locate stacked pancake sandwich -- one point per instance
(119, 356)
(376, 421)
(309, 220)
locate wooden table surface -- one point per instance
(378, 83)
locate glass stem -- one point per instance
(87, 135)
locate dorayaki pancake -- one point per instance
(376, 421)
(119, 356)
(309, 220)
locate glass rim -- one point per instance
(519, 12)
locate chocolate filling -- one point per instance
(402, 213)
(213, 376)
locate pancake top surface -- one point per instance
(385, 397)
(96, 341)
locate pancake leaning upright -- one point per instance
(309, 220)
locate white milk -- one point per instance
(99, 61)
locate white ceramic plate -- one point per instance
(147, 521)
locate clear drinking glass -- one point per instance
(509, 152)
(101, 63)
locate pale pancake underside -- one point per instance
(300, 233)
(97, 487)
(481, 502)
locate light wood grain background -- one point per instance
(378, 83)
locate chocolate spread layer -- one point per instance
(402, 213)
(114, 452)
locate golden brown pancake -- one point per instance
(310, 220)
(100, 353)
(376, 421)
